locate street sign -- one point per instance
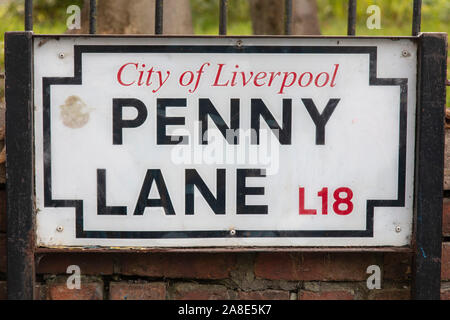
(222, 142)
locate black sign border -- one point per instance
(47, 82)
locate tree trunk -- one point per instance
(138, 17)
(268, 17)
(305, 18)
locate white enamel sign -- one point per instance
(207, 142)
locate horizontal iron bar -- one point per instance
(43, 250)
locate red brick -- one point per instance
(137, 291)
(445, 291)
(445, 261)
(314, 266)
(446, 217)
(89, 263)
(88, 291)
(3, 293)
(396, 266)
(326, 295)
(191, 291)
(390, 294)
(184, 265)
(263, 295)
(2, 252)
(2, 210)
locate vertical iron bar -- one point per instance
(429, 167)
(223, 17)
(159, 17)
(417, 17)
(19, 165)
(288, 17)
(93, 17)
(351, 23)
(28, 15)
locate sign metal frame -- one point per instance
(428, 188)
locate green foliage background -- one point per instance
(396, 16)
(50, 16)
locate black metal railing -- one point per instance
(417, 13)
(223, 17)
(223, 8)
(28, 15)
(351, 18)
(159, 17)
(92, 17)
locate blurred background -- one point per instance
(50, 15)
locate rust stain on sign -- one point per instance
(75, 113)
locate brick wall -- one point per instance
(242, 276)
